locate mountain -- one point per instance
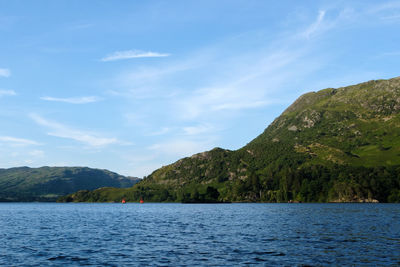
(49, 183)
(334, 145)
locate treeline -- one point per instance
(27, 197)
(321, 184)
(154, 193)
(306, 184)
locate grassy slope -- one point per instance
(332, 145)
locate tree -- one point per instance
(212, 194)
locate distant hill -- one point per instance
(334, 145)
(49, 183)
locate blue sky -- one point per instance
(131, 86)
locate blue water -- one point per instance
(40, 234)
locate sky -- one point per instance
(131, 86)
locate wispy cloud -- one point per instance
(392, 17)
(388, 54)
(329, 19)
(73, 100)
(14, 141)
(198, 129)
(316, 25)
(7, 92)
(5, 72)
(180, 148)
(80, 26)
(63, 131)
(204, 83)
(388, 11)
(145, 82)
(36, 153)
(248, 86)
(385, 6)
(162, 131)
(120, 55)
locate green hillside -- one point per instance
(49, 183)
(332, 145)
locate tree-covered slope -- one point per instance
(332, 145)
(49, 183)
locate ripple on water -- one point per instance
(182, 235)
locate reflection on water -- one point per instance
(195, 234)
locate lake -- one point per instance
(40, 234)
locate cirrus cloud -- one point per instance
(14, 141)
(63, 131)
(5, 72)
(7, 92)
(73, 100)
(120, 55)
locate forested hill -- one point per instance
(332, 145)
(49, 183)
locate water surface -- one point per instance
(33, 234)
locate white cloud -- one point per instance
(5, 72)
(120, 55)
(390, 54)
(236, 106)
(240, 82)
(63, 131)
(330, 19)
(388, 11)
(140, 165)
(392, 17)
(150, 82)
(80, 26)
(7, 92)
(141, 169)
(36, 153)
(180, 148)
(385, 6)
(199, 129)
(316, 26)
(73, 100)
(14, 141)
(248, 86)
(162, 131)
